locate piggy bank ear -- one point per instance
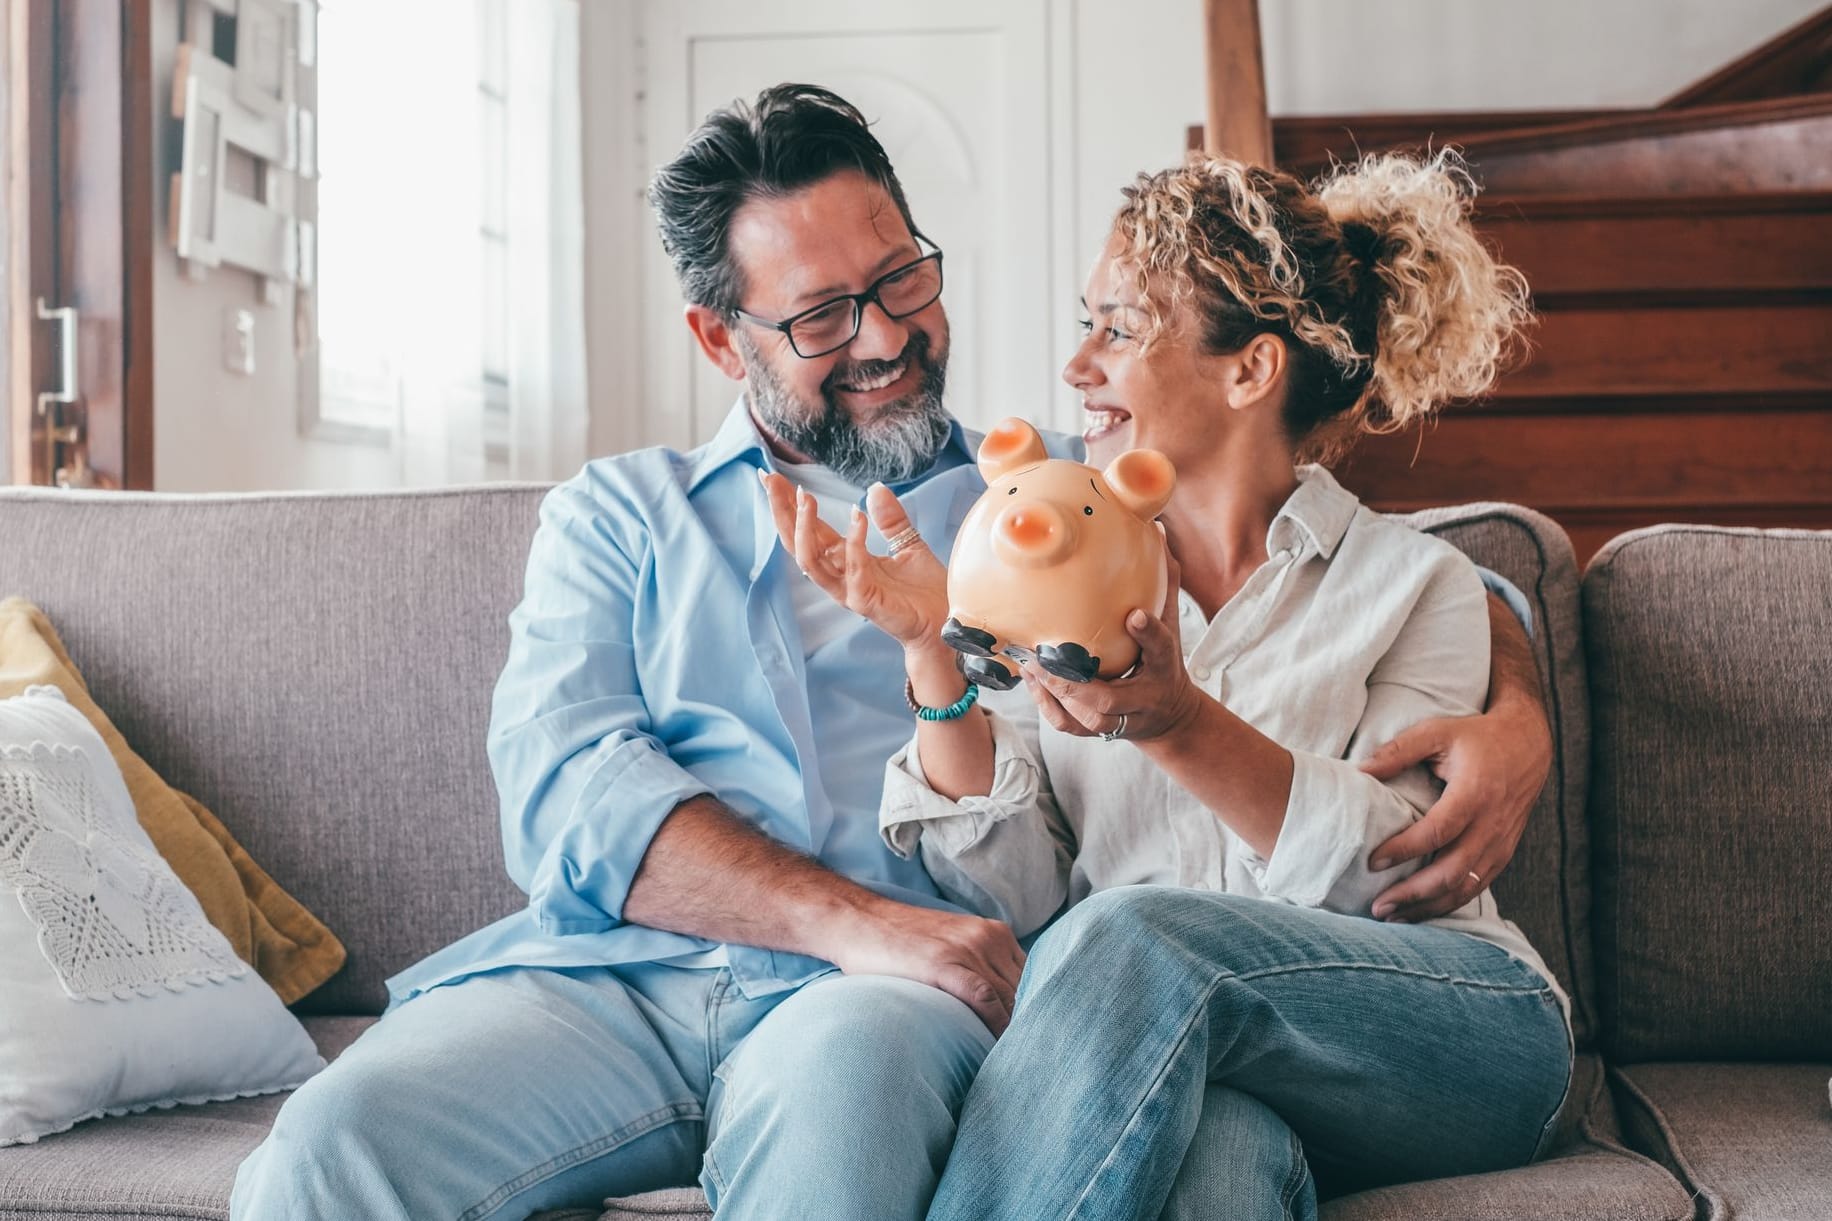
(1010, 445)
(1142, 479)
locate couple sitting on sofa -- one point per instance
(757, 956)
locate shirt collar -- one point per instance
(738, 440)
(1320, 507)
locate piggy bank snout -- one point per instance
(1031, 534)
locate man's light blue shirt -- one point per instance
(654, 657)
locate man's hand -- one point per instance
(976, 961)
(1493, 767)
(709, 874)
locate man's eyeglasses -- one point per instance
(833, 323)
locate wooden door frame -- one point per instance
(21, 40)
(79, 228)
(142, 114)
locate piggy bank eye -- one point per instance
(1088, 509)
(1011, 491)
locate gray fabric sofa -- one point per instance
(318, 668)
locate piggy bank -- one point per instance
(1052, 558)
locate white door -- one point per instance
(958, 92)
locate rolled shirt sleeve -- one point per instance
(1437, 666)
(1510, 596)
(583, 783)
(1003, 855)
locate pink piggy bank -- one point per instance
(1052, 557)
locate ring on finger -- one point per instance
(903, 538)
(1116, 733)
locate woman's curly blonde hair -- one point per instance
(1389, 303)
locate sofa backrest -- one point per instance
(1546, 888)
(1710, 656)
(317, 670)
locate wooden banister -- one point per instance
(1797, 60)
(1641, 124)
(1237, 124)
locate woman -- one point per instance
(1218, 978)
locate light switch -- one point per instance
(238, 341)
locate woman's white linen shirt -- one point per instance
(1355, 628)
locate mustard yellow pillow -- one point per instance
(268, 928)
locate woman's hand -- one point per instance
(904, 594)
(1156, 697)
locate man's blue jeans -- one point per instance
(1186, 1053)
(522, 1090)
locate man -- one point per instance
(722, 974)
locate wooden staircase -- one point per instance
(1681, 263)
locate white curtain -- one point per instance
(547, 393)
(401, 212)
(399, 279)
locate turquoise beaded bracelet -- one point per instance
(952, 712)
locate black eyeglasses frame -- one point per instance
(859, 302)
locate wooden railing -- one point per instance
(1680, 258)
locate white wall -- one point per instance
(617, 225)
(1356, 56)
(214, 430)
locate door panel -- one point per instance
(957, 94)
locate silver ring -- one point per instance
(1475, 877)
(1117, 732)
(903, 538)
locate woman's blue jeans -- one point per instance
(1187, 1053)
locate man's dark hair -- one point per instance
(791, 137)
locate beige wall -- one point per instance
(214, 430)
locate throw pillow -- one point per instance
(269, 928)
(116, 994)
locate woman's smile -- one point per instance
(1102, 421)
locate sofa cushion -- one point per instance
(317, 670)
(1710, 655)
(119, 994)
(1546, 888)
(1753, 1140)
(1589, 1183)
(1590, 1175)
(671, 1204)
(266, 927)
(176, 1163)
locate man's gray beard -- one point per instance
(899, 443)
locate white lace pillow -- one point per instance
(116, 994)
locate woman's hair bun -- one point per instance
(1451, 315)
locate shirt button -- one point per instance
(1201, 674)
